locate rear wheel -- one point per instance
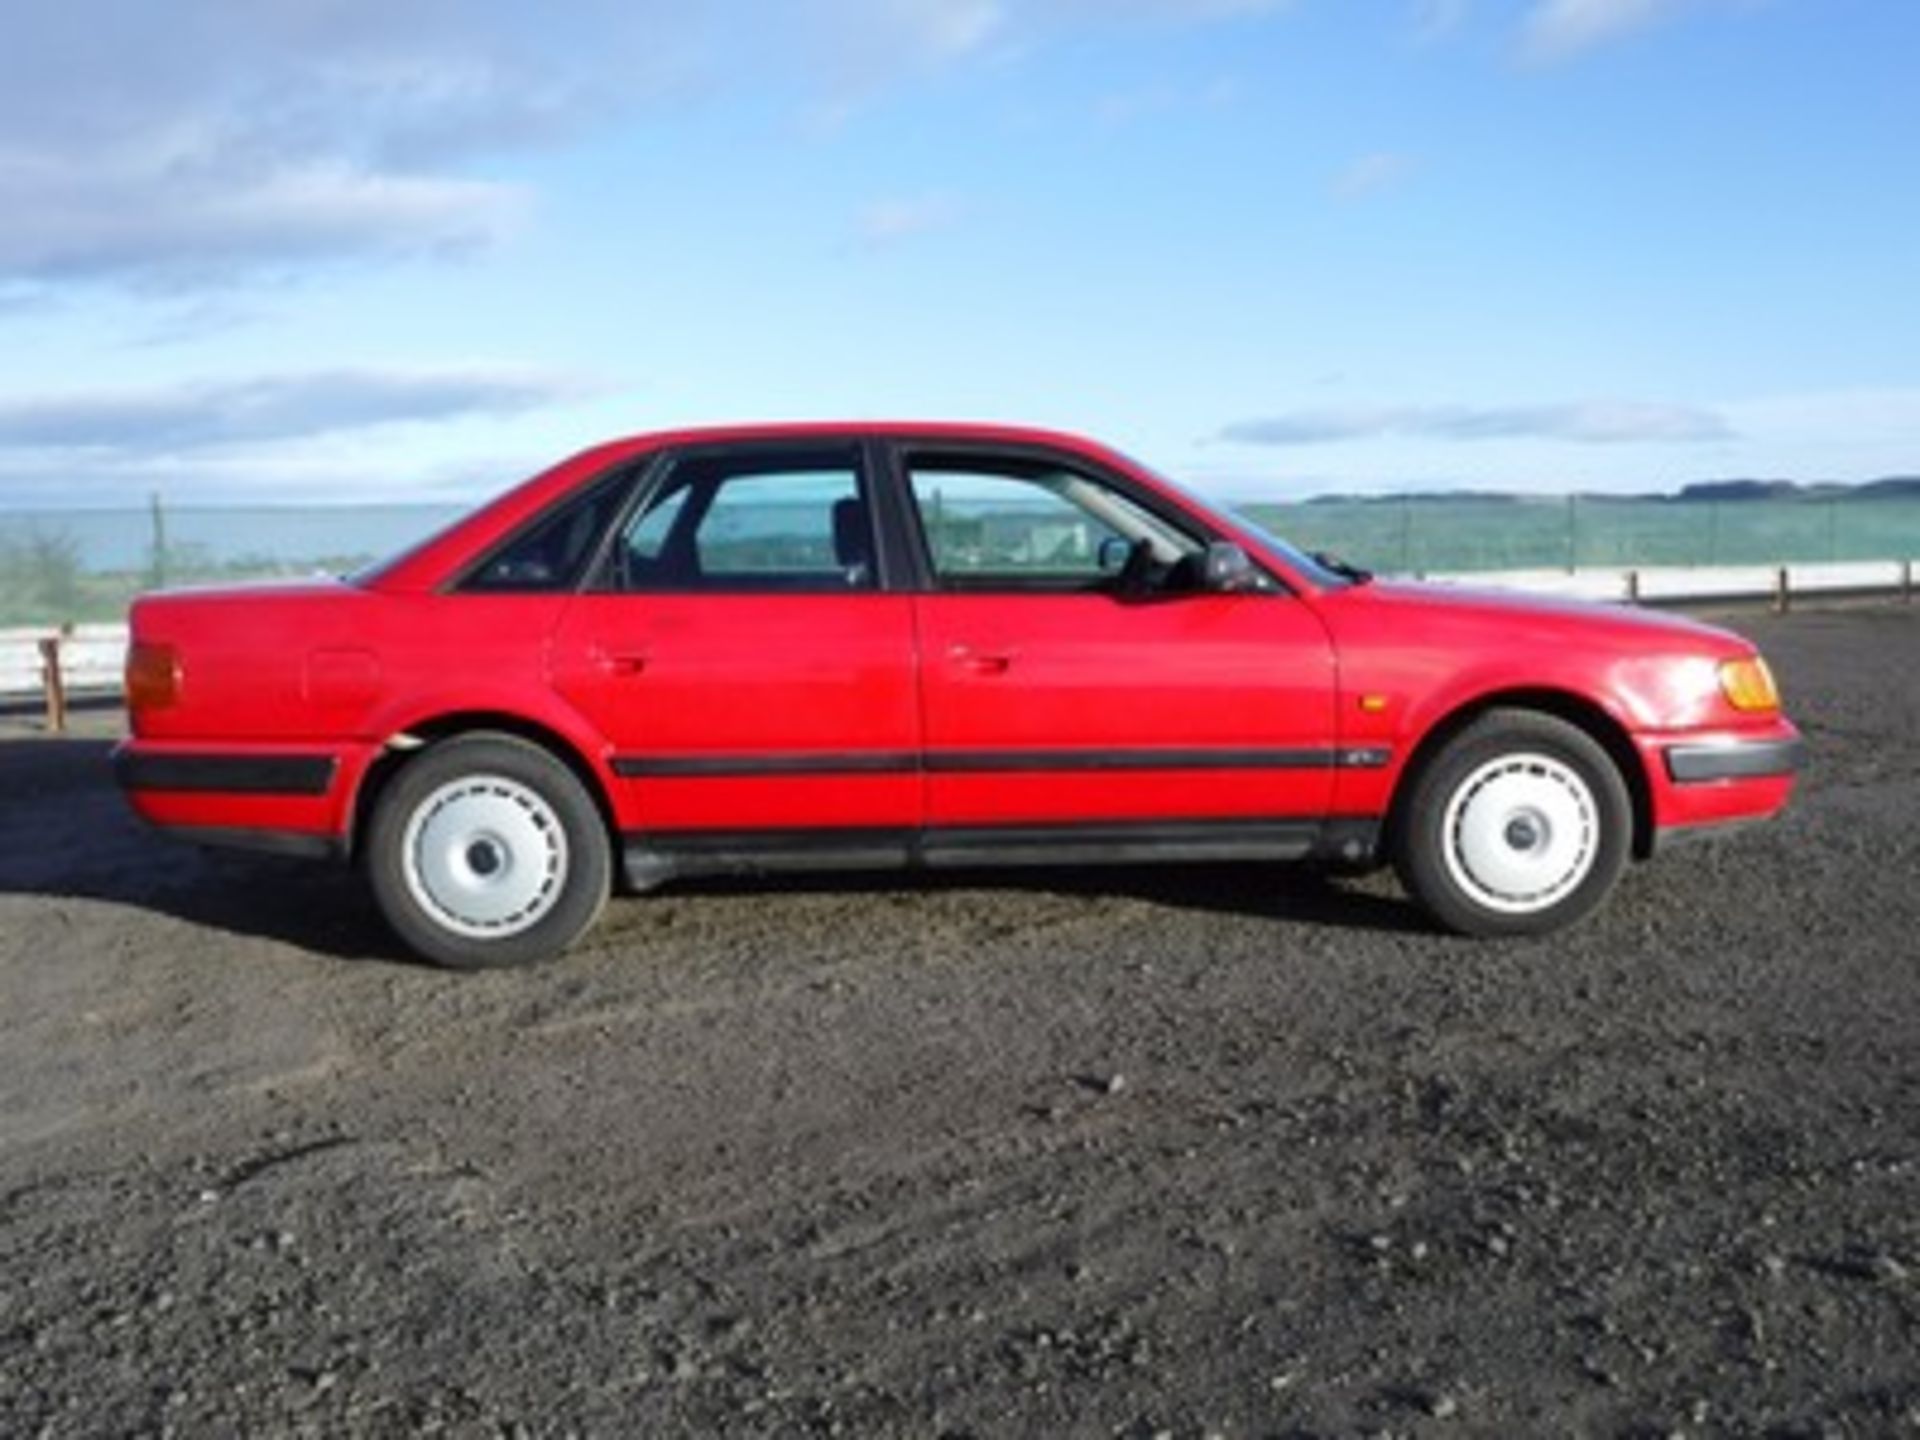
(1520, 826)
(487, 851)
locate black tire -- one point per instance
(486, 851)
(1521, 825)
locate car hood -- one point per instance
(1522, 615)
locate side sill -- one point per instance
(1117, 844)
(653, 858)
(295, 844)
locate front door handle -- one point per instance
(981, 662)
(620, 662)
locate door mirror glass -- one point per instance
(1227, 569)
(1114, 553)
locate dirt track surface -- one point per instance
(1193, 1152)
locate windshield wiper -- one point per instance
(1342, 568)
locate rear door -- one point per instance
(741, 656)
(1069, 680)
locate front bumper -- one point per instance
(1735, 760)
(1720, 778)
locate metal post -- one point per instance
(55, 684)
(159, 541)
(1633, 587)
(1781, 595)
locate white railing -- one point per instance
(60, 662)
(1674, 584)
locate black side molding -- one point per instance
(718, 767)
(989, 762)
(1742, 760)
(226, 774)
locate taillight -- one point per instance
(153, 675)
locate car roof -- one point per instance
(959, 430)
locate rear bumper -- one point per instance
(213, 773)
(294, 800)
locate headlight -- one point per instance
(1748, 684)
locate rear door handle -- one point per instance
(981, 662)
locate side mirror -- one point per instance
(1227, 570)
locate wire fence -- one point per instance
(1418, 536)
(81, 566)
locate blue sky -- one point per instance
(278, 250)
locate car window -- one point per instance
(553, 552)
(1037, 527)
(776, 523)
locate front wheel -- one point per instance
(487, 851)
(1519, 826)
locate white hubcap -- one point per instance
(485, 856)
(1521, 833)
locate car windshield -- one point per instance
(1318, 572)
(1312, 566)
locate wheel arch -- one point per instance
(1576, 710)
(420, 735)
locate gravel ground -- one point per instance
(1184, 1152)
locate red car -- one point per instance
(860, 646)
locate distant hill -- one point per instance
(1450, 497)
(1740, 490)
(1902, 486)
(1891, 487)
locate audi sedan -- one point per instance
(867, 646)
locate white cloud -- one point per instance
(204, 142)
(1436, 19)
(1558, 29)
(199, 143)
(1583, 422)
(1166, 98)
(171, 217)
(192, 417)
(1372, 173)
(949, 28)
(890, 221)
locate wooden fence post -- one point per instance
(55, 684)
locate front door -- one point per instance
(740, 656)
(1075, 672)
